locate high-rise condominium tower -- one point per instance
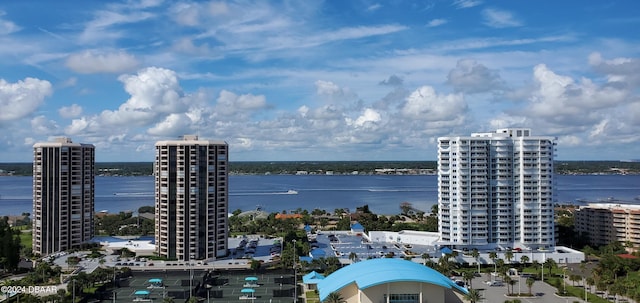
(496, 189)
(191, 193)
(63, 195)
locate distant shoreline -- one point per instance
(334, 168)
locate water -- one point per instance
(383, 194)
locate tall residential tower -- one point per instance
(496, 190)
(191, 194)
(63, 195)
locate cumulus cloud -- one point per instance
(41, 125)
(499, 18)
(22, 98)
(559, 98)
(72, 111)
(154, 94)
(369, 118)
(624, 70)
(471, 77)
(425, 104)
(92, 61)
(333, 92)
(393, 80)
(230, 104)
(173, 125)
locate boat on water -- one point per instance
(292, 192)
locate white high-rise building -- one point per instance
(191, 197)
(63, 195)
(496, 190)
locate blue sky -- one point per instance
(314, 80)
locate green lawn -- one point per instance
(26, 236)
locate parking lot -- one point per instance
(544, 293)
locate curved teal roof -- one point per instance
(386, 270)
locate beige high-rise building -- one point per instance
(191, 194)
(496, 190)
(604, 223)
(63, 195)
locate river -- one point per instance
(275, 193)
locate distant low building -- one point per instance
(288, 216)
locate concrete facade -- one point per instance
(63, 195)
(496, 189)
(191, 198)
(604, 223)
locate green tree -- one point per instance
(334, 297)
(508, 255)
(476, 255)
(9, 246)
(473, 295)
(468, 278)
(530, 282)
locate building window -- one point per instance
(403, 298)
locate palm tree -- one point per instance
(353, 256)
(507, 282)
(512, 282)
(551, 263)
(476, 255)
(508, 255)
(425, 257)
(530, 282)
(524, 259)
(535, 265)
(493, 256)
(473, 295)
(334, 297)
(468, 277)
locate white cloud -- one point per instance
(466, 3)
(625, 70)
(72, 111)
(7, 27)
(558, 98)
(92, 61)
(230, 104)
(470, 77)
(218, 8)
(374, 7)
(173, 125)
(425, 104)
(186, 13)
(100, 28)
(368, 118)
(333, 92)
(499, 18)
(22, 98)
(185, 45)
(436, 22)
(42, 126)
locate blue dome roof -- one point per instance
(386, 270)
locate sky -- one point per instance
(318, 80)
